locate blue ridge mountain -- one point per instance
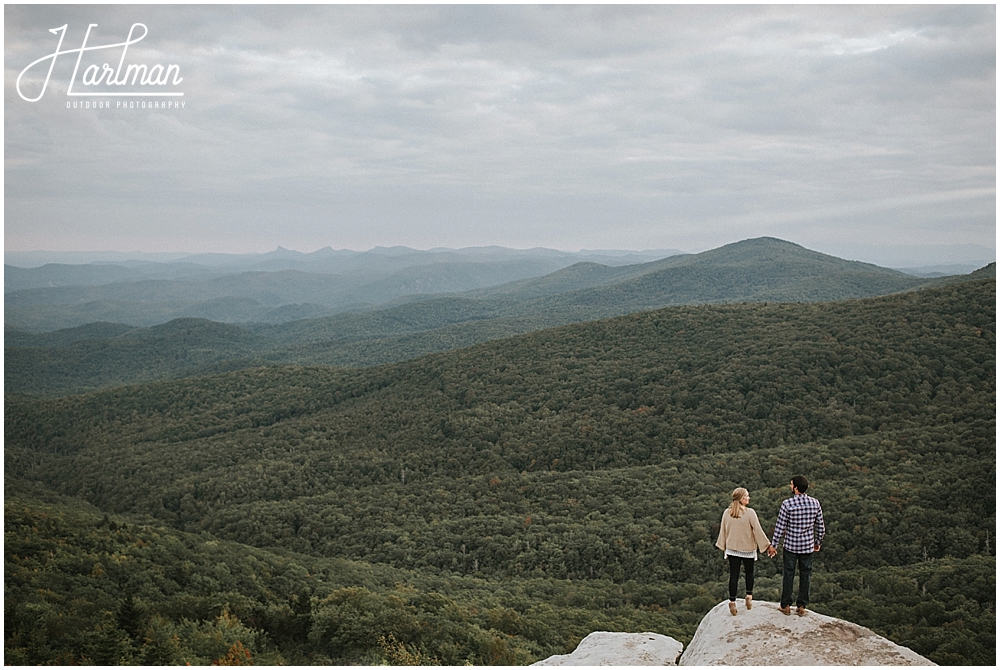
(417, 322)
(143, 294)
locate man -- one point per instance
(800, 525)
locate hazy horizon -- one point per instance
(899, 256)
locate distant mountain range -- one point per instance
(276, 287)
(101, 353)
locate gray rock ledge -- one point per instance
(602, 648)
(765, 636)
(760, 636)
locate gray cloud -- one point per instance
(563, 126)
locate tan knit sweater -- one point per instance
(743, 534)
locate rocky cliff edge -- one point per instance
(760, 636)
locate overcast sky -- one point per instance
(841, 128)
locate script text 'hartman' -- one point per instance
(105, 75)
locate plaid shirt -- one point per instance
(800, 522)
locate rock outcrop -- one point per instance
(760, 636)
(621, 649)
(765, 636)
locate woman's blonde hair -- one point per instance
(736, 509)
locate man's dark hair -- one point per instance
(801, 483)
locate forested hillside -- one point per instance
(81, 587)
(73, 360)
(757, 270)
(601, 453)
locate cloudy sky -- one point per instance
(846, 129)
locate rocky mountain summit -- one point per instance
(761, 636)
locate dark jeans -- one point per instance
(805, 565)
(734, 575)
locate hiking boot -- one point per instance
(785, 609)
(732, 608)
(800, 610)
(749, 602)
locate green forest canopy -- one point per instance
(598, 453)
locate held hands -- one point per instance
(772, 552)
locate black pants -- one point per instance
(734, 575)
(790, 561)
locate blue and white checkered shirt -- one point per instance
(800, 522)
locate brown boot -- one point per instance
(786, 610)
(800, 610)
(732, 608)
(749, 602)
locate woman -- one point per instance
(740, 537)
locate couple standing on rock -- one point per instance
(800, 524)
